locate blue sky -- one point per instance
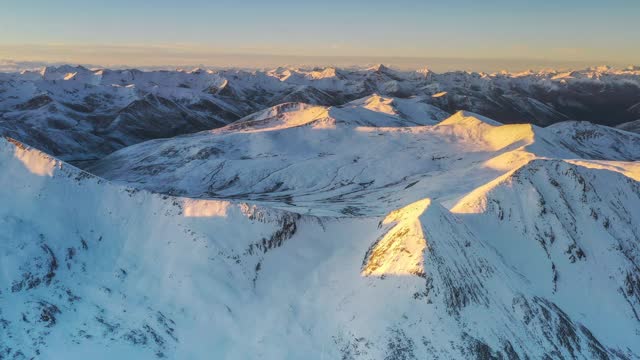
(563, 30)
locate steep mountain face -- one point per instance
(86, 107)
(154, 117)
(120, 272)
(562, 225)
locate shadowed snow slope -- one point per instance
(596, 141)
(632, 126)
(95, 270)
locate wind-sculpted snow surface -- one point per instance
(81, 114)
(96, 270)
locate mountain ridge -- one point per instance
(241, 283)
(91, 99)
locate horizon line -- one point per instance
(397, 63)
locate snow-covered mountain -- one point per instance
(540, 262)
(91, 113)
(379, 225)
(365, 169)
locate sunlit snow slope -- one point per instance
(310, 159)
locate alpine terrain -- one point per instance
(319, 214)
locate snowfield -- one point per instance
(382, 227)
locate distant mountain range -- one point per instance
(81, 114)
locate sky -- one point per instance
(261, 33)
